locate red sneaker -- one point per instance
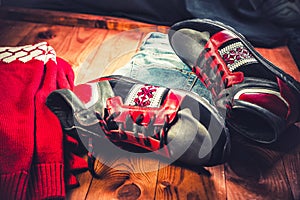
(174, 124)
(257, 99)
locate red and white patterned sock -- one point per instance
(21, 71)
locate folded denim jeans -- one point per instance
(156, 63)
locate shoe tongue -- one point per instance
(144, 95)
(188, 43)
(238, 58)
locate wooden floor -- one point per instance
(96, 46)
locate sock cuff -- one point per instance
(47, 181)
(14, 185)
(40, 51)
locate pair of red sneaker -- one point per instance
(251, 96)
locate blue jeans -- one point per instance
(156, 63)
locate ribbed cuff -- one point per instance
(47, 181)
(14, 185)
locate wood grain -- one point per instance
(117, 46)
(176, 182)
(81, 192)
(256, 172)
(130, 49)
(119, 174)
(282, 58)
(13, 32)
(291, 159)
(73, 44)
(179, 183)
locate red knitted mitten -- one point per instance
(51, 168)
(47, 175)
(21, 71)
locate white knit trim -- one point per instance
(249, 59)
(155, 101)
(40, 51)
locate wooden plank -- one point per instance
(218, 178)
(256, 172)
(13, 32)
(125, 57)
(114, 52)
(176, 182)
(73, 44)
(283, 59)
(124, 178)
(291, 158)
(70, 19)
(81, 192)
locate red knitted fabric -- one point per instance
(47, 175)
(50, 161)
(21, 71)
(35, 159)
(73, 163)
(65, 75)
